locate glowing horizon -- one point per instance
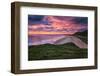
(41, 32)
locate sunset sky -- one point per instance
(41, 24)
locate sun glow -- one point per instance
(44, 32)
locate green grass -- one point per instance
(49, 51)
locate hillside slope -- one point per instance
(50, 51)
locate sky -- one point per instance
(44, 24)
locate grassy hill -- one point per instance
(84, 33)
(49, 51)
(83, 36)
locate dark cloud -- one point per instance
(38, 19)
(80, 20)
(35, 19)
(76, 20)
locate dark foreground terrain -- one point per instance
(50, 51)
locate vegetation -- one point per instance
(49, 51)
(84, 33)
(83, 36)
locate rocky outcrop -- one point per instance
(72, 39)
